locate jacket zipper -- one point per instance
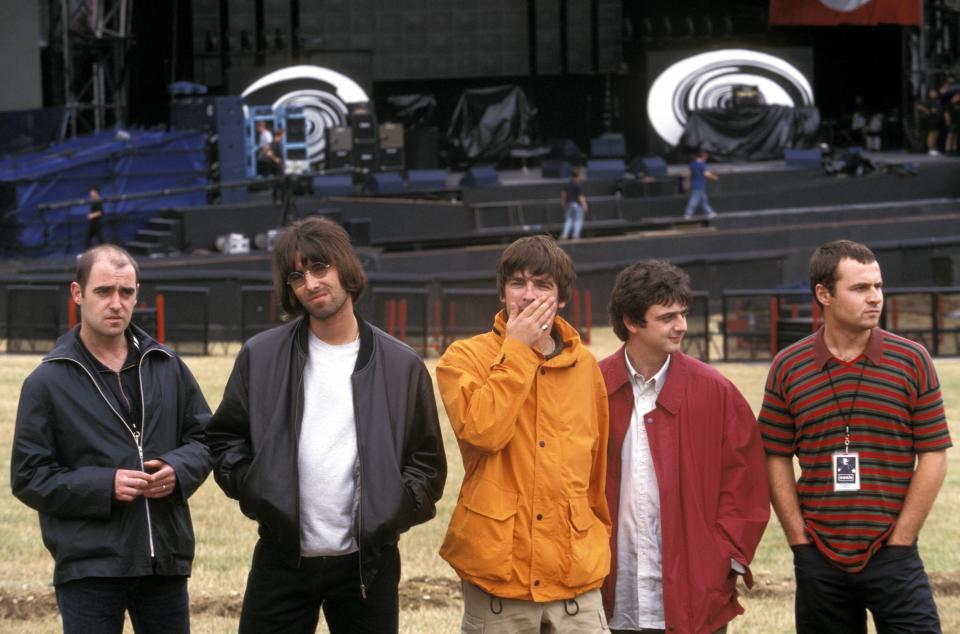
(296, 456)
(143, 426)
(137, 438)
(356, 424)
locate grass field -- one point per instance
(429, 590)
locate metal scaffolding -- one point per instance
(89, 40)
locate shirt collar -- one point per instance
(873, 352)
(640, 381)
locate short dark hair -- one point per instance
(116, 256)
(826, 259)
(537, 255)
(642, 285)
(315, 239)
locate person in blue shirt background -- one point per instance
(698, 186)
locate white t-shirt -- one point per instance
(328, 457)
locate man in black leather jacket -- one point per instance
(328, 436)
(108, 447)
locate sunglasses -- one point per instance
(317, 270)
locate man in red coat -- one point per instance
(686, 481)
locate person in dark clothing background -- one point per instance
(94, 218)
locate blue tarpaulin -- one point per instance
(120, 164)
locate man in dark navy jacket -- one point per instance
(108, 447)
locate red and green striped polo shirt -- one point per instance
(890, 395)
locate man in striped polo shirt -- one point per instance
(861, 409)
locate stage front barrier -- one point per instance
(184, 325)
(404, 312)
(33, 318)
(696, 342)
(928, 315)
(756, 324)
(259, 310)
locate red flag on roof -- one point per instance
(833, 12)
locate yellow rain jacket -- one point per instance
(531, 521)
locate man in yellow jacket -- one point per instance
(530, 533)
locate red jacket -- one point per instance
(711, 472)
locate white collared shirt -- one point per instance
(638, 602)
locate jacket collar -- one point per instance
(69, 345)
(670, 396)
(302, 332)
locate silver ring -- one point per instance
(544, 326)
(163, 485)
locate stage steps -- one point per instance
(162, 236)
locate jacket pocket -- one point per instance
(588, 558)
(479, 542)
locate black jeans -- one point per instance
(94, 231)
(95, 605)
(281, 597)
(893, 586)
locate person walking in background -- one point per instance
(862, 409)
(574, 204)
(328, 437)
(685, 468)
(697, 181)
(530, 533)
(108, 447)
(931, 120)
(94, 218)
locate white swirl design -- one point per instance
(706, 81)
(844, 6)
(323, 94)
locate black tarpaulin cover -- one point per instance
(413, 111)
(752, 133)
(487, 122)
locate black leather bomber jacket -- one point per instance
(254, 437)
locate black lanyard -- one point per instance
(846, 416)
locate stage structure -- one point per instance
(89, 42)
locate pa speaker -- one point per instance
(391, 158)
(359, 231)
(555, 168)
(802, 158)
(333, 185)
(364, 124)
(391, 135)
(480, 176)
(426, 180)
(605, 169)
(385, 183)
(653, 166)
(421, 148)
(365, 155)
(340, 139)
(610, 145)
